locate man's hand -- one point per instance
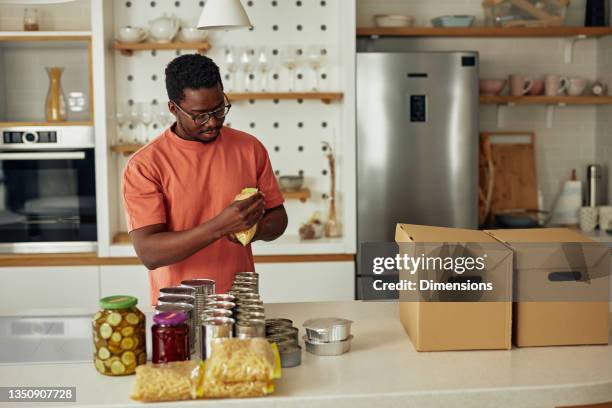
(242, 215)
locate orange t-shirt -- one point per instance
(184, 184)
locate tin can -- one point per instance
(248, 302)
(279, 322)
(177, 290)
(190, 310)
(214, 328)
(221, 297)
(163, 300)
(292, 332)
(250, 309)
(248, 296)
(220, 305)
(250, 316)
(212, 312)
(245, 329)
(203, 287)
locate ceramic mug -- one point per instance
(537, 88)
(588, 218)
(605, 217)
(519, 85)
(555, 85)
(576, 86)
(129, 34)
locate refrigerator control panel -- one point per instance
(418, 108)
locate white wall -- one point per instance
(71, 16)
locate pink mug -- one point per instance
(537, 88)
(519, 85)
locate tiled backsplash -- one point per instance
(573, 140)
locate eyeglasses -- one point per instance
(202, 118)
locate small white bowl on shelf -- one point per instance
(393, 20)
(192, 34)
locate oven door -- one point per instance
(47, 201)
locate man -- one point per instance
(179, 189)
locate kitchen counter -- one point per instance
(382, 368)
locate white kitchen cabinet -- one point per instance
(48, 289)
(130, 280)
(306, 281)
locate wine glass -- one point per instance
(316, 56)
(146, 117)
(290, 59)
(247, 63)
(231, 65)
(263, 66)
(121, 116)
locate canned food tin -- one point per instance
(248, 302)
(255, 274)
(220, 305)
(279, 322)
(221, 297)
(249, 296)
(162, 300)
(283, 331)
(214, 328)
(281, 339)
(245, 329)
(250, 316)
(250, 309)
(211, 312)
(246, 279)
(177, 290)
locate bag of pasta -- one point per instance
(174, 381)
(245, 237)
(241, 368)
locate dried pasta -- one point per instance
(243, 389)
(240, 360)
(246, 236)
(167, 382)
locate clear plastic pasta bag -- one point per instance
(245, 237)
(167, 382)
(240, 368)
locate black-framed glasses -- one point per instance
(202, 118)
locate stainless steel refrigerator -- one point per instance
(417, 142)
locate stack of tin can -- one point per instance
(180, 299)
(203, 288)
(249, 312)
(217, 321)
(282, 332)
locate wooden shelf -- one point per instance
(67, 123)
(325, 97)
(128, 49)
(484, 31)
(122, 238)
(126, 149)
(45, 35)
(302, 195)
(545, 100)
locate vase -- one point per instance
(332, 226)
(56, 100)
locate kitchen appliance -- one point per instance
(417, 141)
(47, 189)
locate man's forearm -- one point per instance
(168, 247)
(272, 225)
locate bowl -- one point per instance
(393, 20)
(453, 21)
(328, 329)
(492, 86)
(290, 183)
(193, 34)
(328, 349)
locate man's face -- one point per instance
(197, 102)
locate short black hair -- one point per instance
(193, 71)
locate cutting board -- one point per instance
(510, 157)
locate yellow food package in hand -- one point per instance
(245, 237)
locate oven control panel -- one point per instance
(29, 137)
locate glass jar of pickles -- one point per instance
(119, 336)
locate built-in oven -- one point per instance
(47, 189)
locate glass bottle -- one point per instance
(56, 100)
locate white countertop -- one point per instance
(382, 369)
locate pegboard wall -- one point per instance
(291, 130)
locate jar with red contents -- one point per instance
(170, 337)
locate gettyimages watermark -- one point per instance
(468, 272)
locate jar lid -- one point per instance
(170, 318)
(118, 302)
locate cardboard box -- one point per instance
(583, 267)
(452, 325)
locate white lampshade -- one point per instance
(223, 15)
